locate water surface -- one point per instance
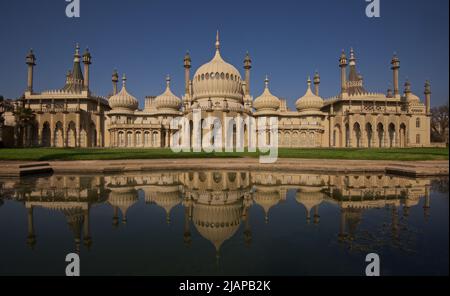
(224, 223)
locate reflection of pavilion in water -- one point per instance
(216, 203)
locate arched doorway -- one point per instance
(59, 135)
(392, 135)
(46, 132)
(337, 136)
(402, 135)
(369, 135)
(92, 135)
(380, 132)
(71, 135)
(357, 134)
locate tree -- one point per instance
(24, 117)
(439, 124)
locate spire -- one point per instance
(124, 80)
(266, 82)
(31, 58)
(247, 61)
(343, 59)
(352, 57)
(407, 87)
(395, 62)
(309, 82)
(115, 76)
(77, 53)
(187, 60)
(217, 41)
(87, 56)
(427, 87)
(168, 81)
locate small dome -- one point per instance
(309, 101)
(217, 78)
(266, 101)
(409, 96)
(167, 100)
(412, 98)
(123, 101)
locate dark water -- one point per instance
(224, 223)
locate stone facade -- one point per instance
(74, 117)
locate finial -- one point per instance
(115, 76)
(309, 81)
(427, 87)
(407, 86)
(124, 80)
(77, 49)
(217, 40)
(168, 80)
(266, 81)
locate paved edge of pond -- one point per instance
(403, 168)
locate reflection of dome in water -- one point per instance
(123, 198)
(266, 197)
(309, 197)
(166, 197)
(217, 223)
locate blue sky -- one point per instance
(287, 39)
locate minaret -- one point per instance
(407, 88)
(427, 97)
(395, 67)
(247, 67)
(187, 76)
(86, 62)
(343, 65)
(115, 80)
(31, 62)
(316, 83)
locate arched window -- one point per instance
(417, 139)
(418, 123)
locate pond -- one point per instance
(224, 223)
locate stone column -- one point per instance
(99, 131)
(52, 129)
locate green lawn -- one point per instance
(46, 154)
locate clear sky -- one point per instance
(287, 39)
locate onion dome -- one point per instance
(217, 223)
(266, 197)
(123, 198)
(309, 101)
(409, 96)
(217, 78)
(123, 101)
(167, 100)
(165, 197)
(266, 101)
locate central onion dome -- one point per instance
(217, 79)
(167, 100)
(123, 101)
(217, 223)
(309, 102)
(266, 101)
